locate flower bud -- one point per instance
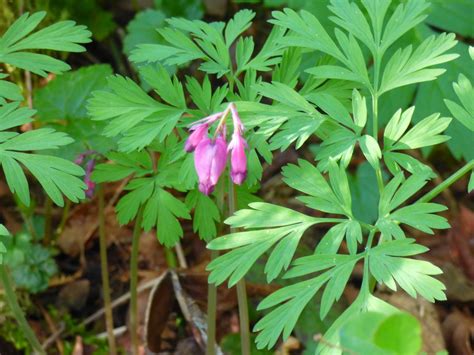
(237, 145)
(210, 159)
(238, 159)
(200, 132)
(87, 179)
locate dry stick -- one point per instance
(109, 320)
(180, 255)
(93, 317)
(134, 281)
(52, 328)
(241, 289)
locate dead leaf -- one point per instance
(458, 329)
(159, 308)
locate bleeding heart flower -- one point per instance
(238, 159)
(87, 178)
(200, 132)
(210, 158)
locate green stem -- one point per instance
(109, 321)
(134, 281)
(369, 280)
(241, 289)
(375, 116)
(12, 302)
(211, 313)
(211, 288)
(170, 257)
(448, 182)
(64, 217)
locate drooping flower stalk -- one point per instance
(237, 145)
(210, 154)
(210, 160)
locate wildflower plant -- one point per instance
(167, 184)
(299, 111)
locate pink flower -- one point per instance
(87, 178)
(238, 159)
(200, 132)
(210, 158)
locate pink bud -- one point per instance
(210, 159)
(238, 159)
(200, 132)
(87, 178)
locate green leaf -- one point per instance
(237, 25)
(371, 332)
(57, 176)
(405, 67)
(270, 225)
(406, 16)
(350, 17)
(134, 114)
(307, 32)
(452, 16)
(64, 97)
(61, 36)
(387, 265)
(206, 214)
(371, 150)
(465, 92)
(364, 193)
(122, 165)
(291, 300)
(142, 29)
(400, 334)
(286, 95)
(421, 216)
(161, 209)
(9, 90)
(430, 98)
(205, 98)
(306, 178)
(425, 133)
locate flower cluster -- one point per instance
(210, 154)
(90, 165)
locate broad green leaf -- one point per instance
(142, 29)
(371, 332)
(452, 16)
